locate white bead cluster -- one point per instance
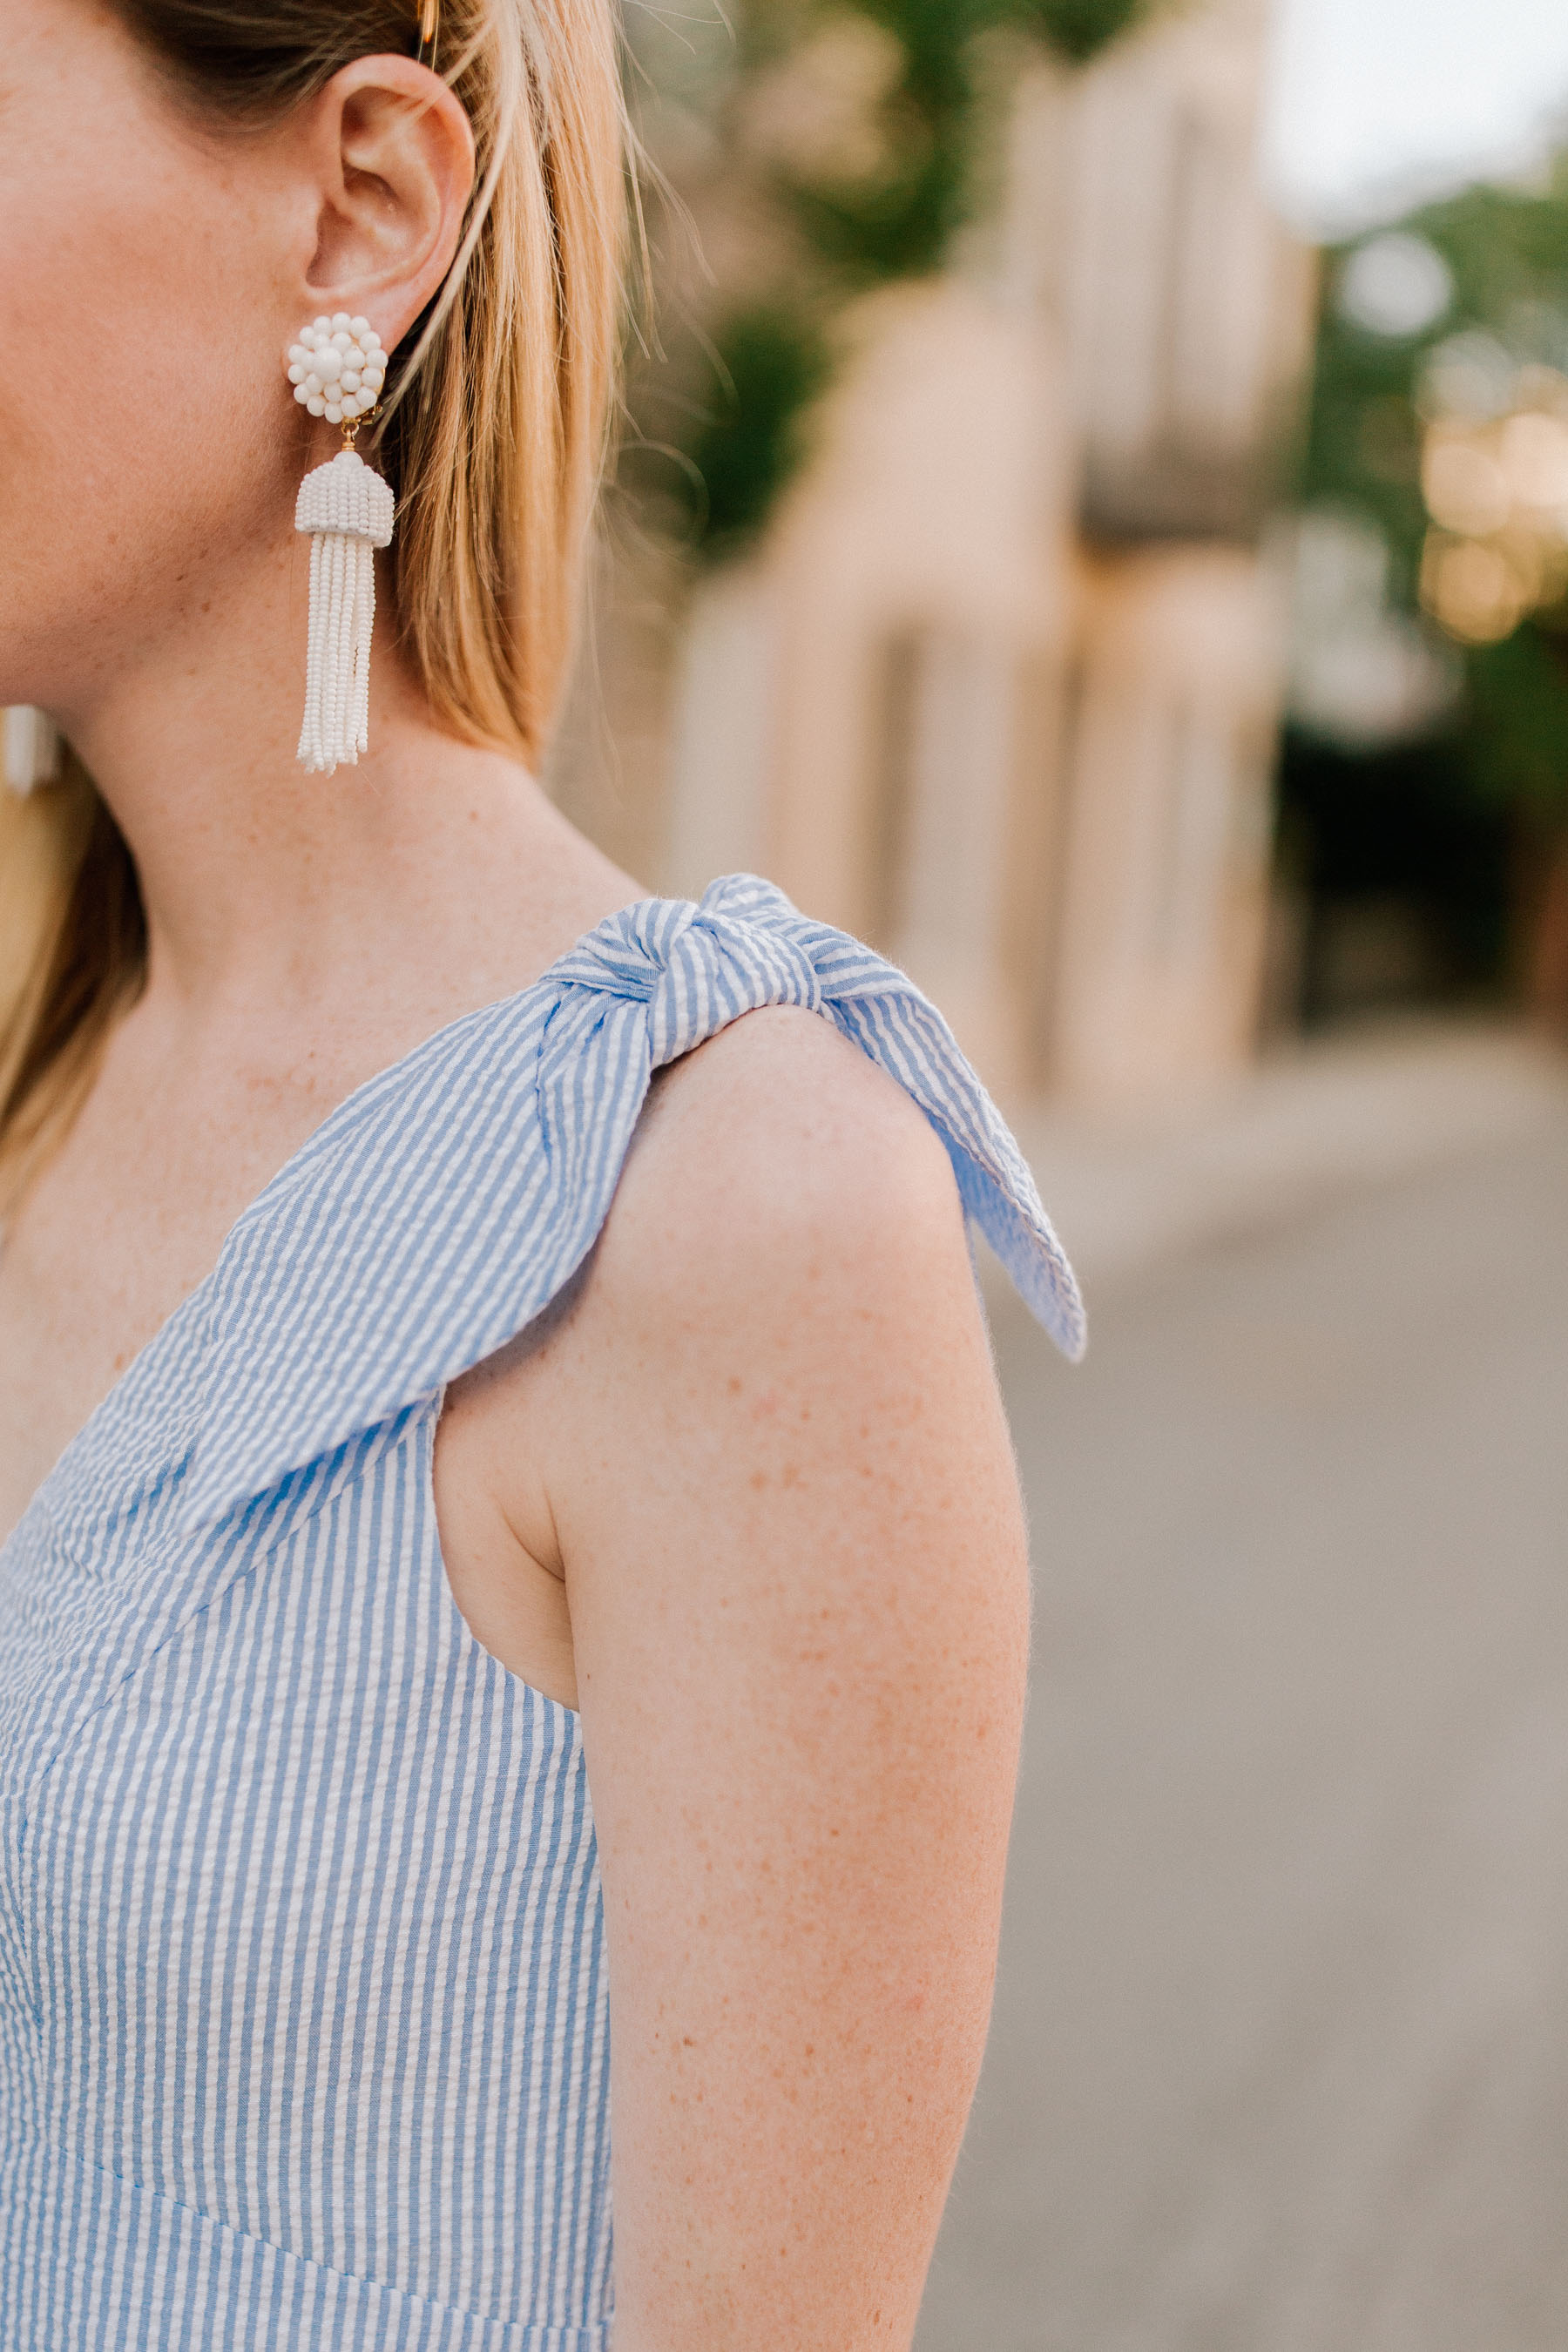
(337, 368)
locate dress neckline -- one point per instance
(79, 1441)
(518, 1185)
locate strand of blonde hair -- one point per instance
(495, 434)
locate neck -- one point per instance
(262, 883)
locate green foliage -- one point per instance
(1363, 443)
(737, 443)
(767, 365)
(898, 223)
(1507, 251)
(1517, 735)
(1077, 28)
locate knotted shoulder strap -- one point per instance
(447, 1201)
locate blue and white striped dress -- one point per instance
(303, 2031)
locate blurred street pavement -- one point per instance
(1279, 2060)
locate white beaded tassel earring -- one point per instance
(32, 747)
(337, 369)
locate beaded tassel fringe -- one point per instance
(348, 510)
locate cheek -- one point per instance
(142, 406)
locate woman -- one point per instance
(409, 1416)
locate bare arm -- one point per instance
(795, 1556)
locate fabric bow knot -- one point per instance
(446, 1202)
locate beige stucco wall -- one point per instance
(1166, 855)
(937, 510)
(1038, 777)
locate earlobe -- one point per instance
(395, 157)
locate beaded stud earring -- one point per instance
(31, 748)
(337, 369)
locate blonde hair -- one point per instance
(494, 437)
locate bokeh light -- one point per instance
(1494, 475)
(1397, 284)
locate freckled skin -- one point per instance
(745, 1494)
(767, 1457)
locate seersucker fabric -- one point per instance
(303, 2014)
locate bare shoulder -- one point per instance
(778, 1140)
(786, 1238)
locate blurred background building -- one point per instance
(1138, 618)
(1094, 520)
(996, 677)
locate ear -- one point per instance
(393, 158)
